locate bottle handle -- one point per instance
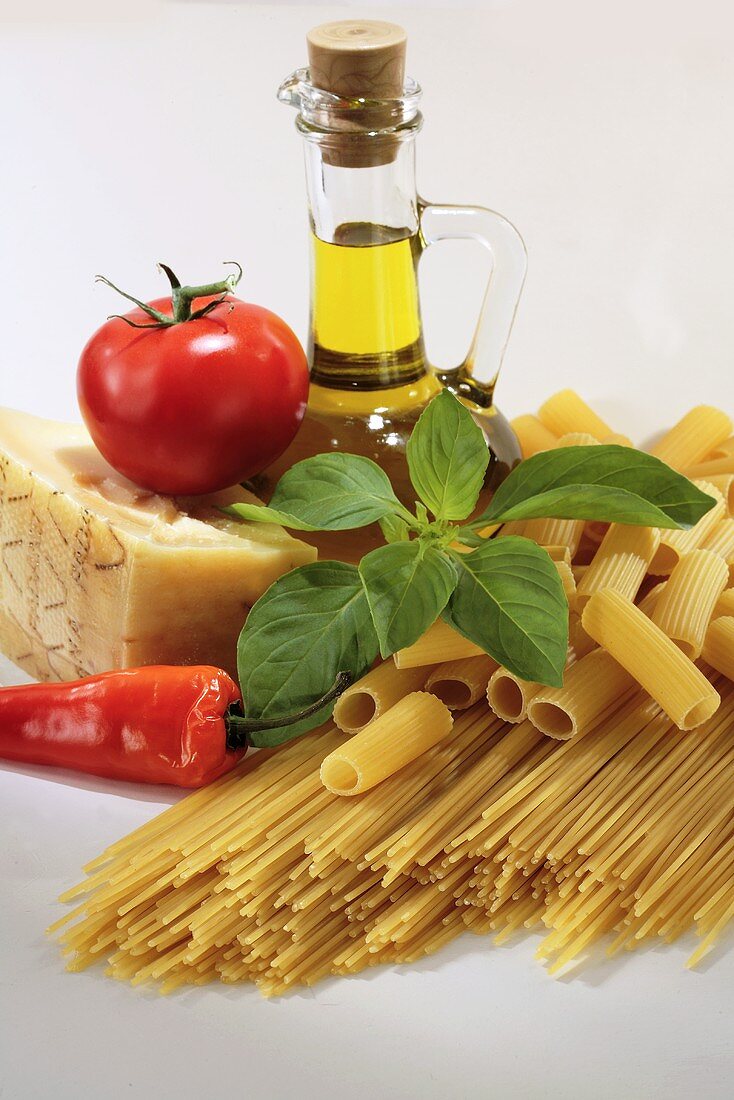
(477, 375)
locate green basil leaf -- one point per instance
(510, 601)
(258, 513)
(311, 624)
(336, 492)
(329, 492)
(608, 483)
(394, 529)
(447, 457)
(407, 586)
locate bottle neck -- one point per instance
(381, 193)
(366, 328)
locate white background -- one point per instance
(150, 131)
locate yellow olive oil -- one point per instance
(365, 323)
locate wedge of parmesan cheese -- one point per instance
(98, 574)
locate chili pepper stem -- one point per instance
(238, 727)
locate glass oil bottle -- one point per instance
(370, 379)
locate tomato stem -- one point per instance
(182, 299)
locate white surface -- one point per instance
(151, 132)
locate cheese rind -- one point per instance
(97, 574)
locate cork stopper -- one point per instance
(358, 58)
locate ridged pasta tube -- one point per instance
(720, 540)
(439, 643)
(724, 449)
(508, 695)
(400, 735)
(590, 687)
(674, 544)
(718, 648)
(621, 562)
(724, 604)
(655, 661)
(687, 601)
(381, 688)
(566, 412)
(459, 684)
(725, 484)
(532, 435)
(695, 435)
(714, 467)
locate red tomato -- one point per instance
(197, 406)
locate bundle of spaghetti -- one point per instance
(557, 778)
(671, 837)
(421, 836)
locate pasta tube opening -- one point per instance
(508, 695)
(590, 687)
(357, 711)
(459, 684)
(553, 720)
(339, 775)
(381, 688)
(698, 713)
(454, 694)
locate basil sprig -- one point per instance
(504, 594)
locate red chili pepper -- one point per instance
(158, 724)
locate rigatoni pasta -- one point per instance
(532, 435)
(687, 601)
(459, 684)
(723, 449)
(508, 695)
(675, 543)
(555, 532)
(621, 562)
(720, 540)
(566, 412)
(714, 467)
(724, 604)
(381, 688)
(559, 553)
(649, 601)
(725, 484)
(439, 643)
(568, 581)
(695, 435)
(718, 648)
(656, 662)
(590, 687)
(399, 736)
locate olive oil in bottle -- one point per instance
(365, 327)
